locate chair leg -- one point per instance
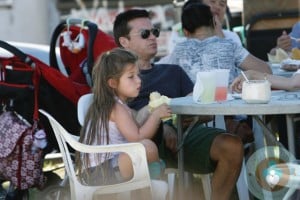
(171, 175)
(159, 190)
(171, 183)
(206, 185)
(205, 179)
(242, 184)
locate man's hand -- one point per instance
(170, 137)
(284, 41)
(218, 27)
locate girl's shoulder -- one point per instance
(119, 109)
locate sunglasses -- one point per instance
(145, 33)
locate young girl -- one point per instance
(110, 121)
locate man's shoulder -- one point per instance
(167, 67)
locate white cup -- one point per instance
(256, 91)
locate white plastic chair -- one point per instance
(82, 106)
(136, 151)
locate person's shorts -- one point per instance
(196, 146)
(105, 174)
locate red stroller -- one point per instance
(57, 94)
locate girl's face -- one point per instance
(129, 84)
(217, 7)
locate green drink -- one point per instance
(207, 86)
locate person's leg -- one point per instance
(125, 164)
(227, 151)
(209, 150)
(151, 150)
(240, 126)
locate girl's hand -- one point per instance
(236, 85)
(162, 111)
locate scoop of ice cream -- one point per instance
(154, 95)
(156, 99)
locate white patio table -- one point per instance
(282, 102)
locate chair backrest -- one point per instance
(82, 106)
(264, 21)
(136, 151)
(265, 28)
(252, 8)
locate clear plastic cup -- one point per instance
(222, 78)
(205, 87)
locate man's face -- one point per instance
(145, 48)
(217, 7)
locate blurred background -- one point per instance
(33, 21)
(256, 21)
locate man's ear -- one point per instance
(124, 41)
(112, 83)
(186, 33)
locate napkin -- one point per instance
(278, 57)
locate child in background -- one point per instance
(110, 121)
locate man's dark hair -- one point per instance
(195, 15)
(191, 2)
(121, 27)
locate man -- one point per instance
(204, 49)
(218, 8)
(206, 149)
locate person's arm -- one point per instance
(131, 130)
(277, 82)
(253, 63)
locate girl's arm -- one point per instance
(131, 130)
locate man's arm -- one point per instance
(253, 63)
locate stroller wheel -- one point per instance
(55, 192)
